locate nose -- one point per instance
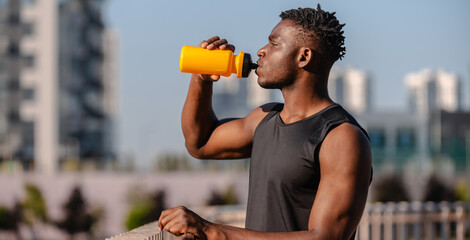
(261, 52)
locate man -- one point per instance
(310, 160)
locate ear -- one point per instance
(305, 57)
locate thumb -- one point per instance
(188, 236)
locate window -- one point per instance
(3, 95)
(3, 25)
(3, 64)
(28, 61)
(28, 29)
(377, 137)
(29, 94)
(27, 148)
(406, 138)
(28, 2)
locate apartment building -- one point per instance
(57, 83)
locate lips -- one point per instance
(259, 66)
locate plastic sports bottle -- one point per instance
(217, 62)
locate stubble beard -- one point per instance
(282, 82)
(278, 85)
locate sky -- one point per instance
(385, 39)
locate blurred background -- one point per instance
(91, 97)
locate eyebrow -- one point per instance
(273, 37)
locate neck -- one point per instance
(305, 97)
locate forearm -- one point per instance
(198, 118)
(225, 232)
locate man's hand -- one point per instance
(211, 44)
(182, 221)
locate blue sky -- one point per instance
(386, 39)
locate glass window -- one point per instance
(28, 29)
(28, 61)
(28, 2)
(3, 64)
(27, 130)
(406, 138)
(29, 94)
(377, 137)
(3, 24)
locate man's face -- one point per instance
(277, 60)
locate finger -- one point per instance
(174, 227)
(215, 77)
(187, 236)
(213, 39)
(217, 44)
(209, 78)
(205, 43)
(163, 214)
(228, 47)
(166, 216)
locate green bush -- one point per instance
(77, 218)
(390, 189)
(34, 206)
(437, 190)
(5, 217)
(229, 197)
(138, 215)
(144, 208)
(10, 219)
(461, 191)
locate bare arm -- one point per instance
(206, 136)
(345, 165)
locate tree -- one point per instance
(10, 219)
(390, 189)
(172, 162)
(437, 190)
(229, 197)
(145, 208)
(78, 217)
(461, 191)
(33, 208)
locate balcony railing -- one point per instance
(387, 221)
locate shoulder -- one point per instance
(346, 130)
(346, 134)
(263, 110)
(347, 144)
(253, 119)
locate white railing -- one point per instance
(380, 221)
(415, 220)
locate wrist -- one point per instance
(214, 231)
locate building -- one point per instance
(350, 88)
(399, 140)
(431, 90)
(432, 134)
(450, 138)
(236, 97)
(57, 82)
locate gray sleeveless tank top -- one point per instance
(284, 168)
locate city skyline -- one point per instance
(386, 40)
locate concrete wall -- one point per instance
(109, 190)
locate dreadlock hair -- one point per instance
(321, 26)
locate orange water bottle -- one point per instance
(217, 62)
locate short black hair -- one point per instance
(322, 26)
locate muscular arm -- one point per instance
(345, 165)
(206, 136)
